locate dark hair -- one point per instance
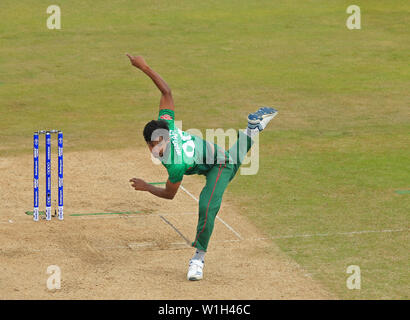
(150, 131)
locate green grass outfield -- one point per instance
(331, 163)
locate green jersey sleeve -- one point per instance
(168, 116)
(176, 172)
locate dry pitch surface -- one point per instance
(135, 256)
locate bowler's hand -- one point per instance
(138, 184)
(137, 61)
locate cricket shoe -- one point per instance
(195, 270)
(260, 119)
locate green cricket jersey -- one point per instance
(187, 153)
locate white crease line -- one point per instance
(330, 234)
(189, 193)
(220, 219)
(14, 221)
(230, 228)
(232, 240)
(182, 245)
(249, 239)
(125, 216)
(141, 244)
(131, 246)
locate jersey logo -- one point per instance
(174, 139)
(166, 117)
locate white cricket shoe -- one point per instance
(260, 119)
(195, 270)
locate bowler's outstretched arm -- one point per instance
(166, 102)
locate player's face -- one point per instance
(157, 148)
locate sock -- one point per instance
(263, 123)
(199, 255)
(251, 132)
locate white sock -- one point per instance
(264, 122)
(251, 132)
(199, 255)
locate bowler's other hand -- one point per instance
(138, 184)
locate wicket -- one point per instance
(47, 135)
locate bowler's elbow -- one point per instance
(167, 92)
(170, 197)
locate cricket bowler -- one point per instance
(184, 154)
